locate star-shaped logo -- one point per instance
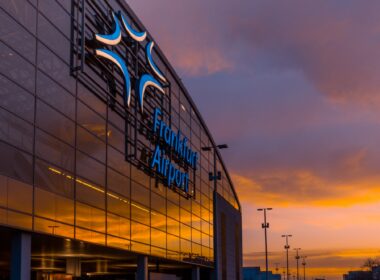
(146, 80)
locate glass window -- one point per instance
(52, 227)
(16, 131)
(56, 14)
(140, 233)
(90, 194)
(19, 220)
(17, 37)
(172, 210)
(118, 226)
(158, 221)
(173, 243)
(90, 169)
(173, 226)
(117, 161)
(118, 204)
(140, 213)
(16, 164)
(53, 66)
(90, 217)
(158, 203)
(90, 144)
(90, 236)
(118, 183)
(91, 121)
(91, 100)
(140, 194)
(116, 138)
(185, 231)
(55, 123)
(17, 68)
(54, 207)
(55, 95)
(23, 12)
(16, 100)
(158, 238)
(55, 151)
(54, 179)
(20, 196)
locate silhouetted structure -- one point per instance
(254, 273)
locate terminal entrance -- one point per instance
(56, 258)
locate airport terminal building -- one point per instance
(107, 169)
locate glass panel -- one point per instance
(16, 131)
(17, 68)
(158, 238)
(91, 121)
(16, 100)
(55, 95)
(118, 226)
(158, 221)
(16, 164)
(90, 144)
(118, 204)
(118, 183)
(54, 207)
(54, 179)
(140, 233)
(91, 169)
(90, 236)
(19, 220)
(55, 151)
(90, 217)
(55, 123)
(20, 196)
(52, 227)
(23, 12)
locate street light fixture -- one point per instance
(286, 236)
(304, 266)
(297, 259)
(265, 226)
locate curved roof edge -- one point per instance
(138, 22)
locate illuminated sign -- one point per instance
(170, 144)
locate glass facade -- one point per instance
(73, 157)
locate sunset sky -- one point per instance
(294, 88)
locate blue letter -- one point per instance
(156, 159)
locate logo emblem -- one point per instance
(146, 80)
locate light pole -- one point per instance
(287, 254)
(304, 266)
(215, 176)
(297, 259)
(265, 225)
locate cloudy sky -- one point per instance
(294, 88)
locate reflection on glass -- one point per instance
(54, 207)
(118, 242)
(19, 220)
(52, 227)
(173, 243)
(90, 236)
(140, 233)
(158, 221)
(173, 226)
(20, 196)
(118, 226)
(158, 238)
(90, 217)
(185, 231)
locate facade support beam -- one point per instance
(142, 268)
(196, 273)
(21, 256)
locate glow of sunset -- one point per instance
(293, 88)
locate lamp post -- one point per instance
(215, 176)
(286, 236)
(304, 266)
(265, 226)
(297, 259)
